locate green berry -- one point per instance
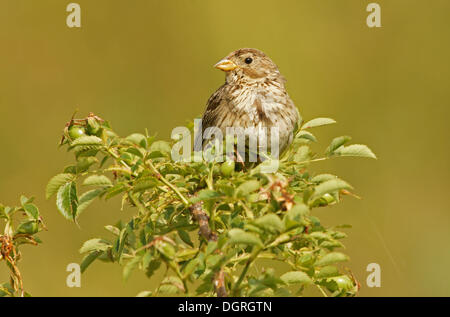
(76, 131)
(227, 168)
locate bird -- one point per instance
(253, 96)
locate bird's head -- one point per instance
(250, 65)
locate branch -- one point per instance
(205, 231)
(202, 218)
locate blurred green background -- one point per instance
(149, 64)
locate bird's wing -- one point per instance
(216, 104)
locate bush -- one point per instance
(25, 233)
(241, 215)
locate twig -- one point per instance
(205, 231)
(202, 218)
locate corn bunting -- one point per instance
(253, 96)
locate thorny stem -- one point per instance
(159, 176)
(167, 183)
(205, 231)
(321, 290)
(244, 271)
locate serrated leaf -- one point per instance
(56, 182)
(24, 200)
(247, 187)
(302, 154)
(95, 245)
(28, 227)
(85, 163)
(359, 150)
(295, 216)
(87, 198)
(97, 180)
(337, 143)
(67, 200)
(239, 236)
(207, 194)
(130, 266)
(327, 271)
(161, 146)
(296, 277)
(31, 210)
(88, 259)
(306, 135)
(270, 222)
(184, 236)
(168, 283)
(115, 190)
(145, 183)
(167, 289)
(322, 178)
(138, 139)
(317, 123)
(329, 186)
(86, 140)
(331, 258)
(135, 151)
(166, 249)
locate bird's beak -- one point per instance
(226, 65)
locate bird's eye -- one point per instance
(248, 60)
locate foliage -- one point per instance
(240, 214)
(14, 236)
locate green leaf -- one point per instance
(32, 211)
(247, 187)
(302, 154)
(56, 182)
(295, 216)
(166, 249)
(86, 140)
(85, 163)
(28, 227)
(270, 222)
(67, 200)
(337, 143)
(359, 150)
(95, 245)
(184, 236)
(331, 258)
(296, 277)
(317, 123)
(327, 271)
(97, 180)
(138, 139)
(145, 183)
(145, 294)
(329, 186)
(239, 236)
(161, 146)
(322, 178)
(115, 190)
(87, 198)
(24, 200)
(207, 194)
(119, 244)
(6, 290)
(170, 286)
(88, 259)
(135, 151)
(306, 135)
(130, 266)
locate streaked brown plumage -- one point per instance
(253, 95)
